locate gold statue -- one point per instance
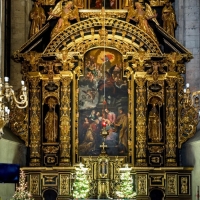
(127, 3)
(154, 125)
(169, 18)
(38, 18)
(141, 17)
(65, 12)
(51, 121)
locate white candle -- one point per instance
(184, 90)
(22, 82)
(6, 79)
(187, 85)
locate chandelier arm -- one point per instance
(21, 107)
(22, 97)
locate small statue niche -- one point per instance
(154, 122)
(51, 121)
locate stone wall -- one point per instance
(20, 25)
(188, 33)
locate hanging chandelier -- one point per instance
(7, 97)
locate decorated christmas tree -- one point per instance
(81, 185)
(126, 184)
(21, 192)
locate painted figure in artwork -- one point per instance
(98, 4)
(101, 88)
(38, 18)
(121, 125)
(51, 121)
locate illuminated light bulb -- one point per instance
(104, 124)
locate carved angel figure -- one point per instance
(66, 11)
(38, 18)
(169, 19)
(141, 17)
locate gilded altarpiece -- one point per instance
(104, 92)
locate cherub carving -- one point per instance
(141, 17)
(66, 11)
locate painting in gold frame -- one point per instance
(103, 99)
(108, 4)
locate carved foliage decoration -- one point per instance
(123, 42)
(140, 120)
(171, 116)
(65, 120)
(34, 120)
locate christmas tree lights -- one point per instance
(81, 185)
(126, 184)
(21, 192)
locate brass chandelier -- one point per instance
(7, 97)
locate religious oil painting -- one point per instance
(107, 4)
(103, 101)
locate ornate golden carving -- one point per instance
(156, 149)
(120, 14)
(171, 123)
(140, 120)
(142, 184)
(139, 60)
(157, 2)
(171, 184)
(34, 119)
(184, 185)
(33, 59)
(35, 184)
(65, 120)
(125, 44)
(64, 184)
(65, 12)
(50, 149)
(141, 17)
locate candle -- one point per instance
(187, 85)
(22, 82)
(6, 79)
(184, 90)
